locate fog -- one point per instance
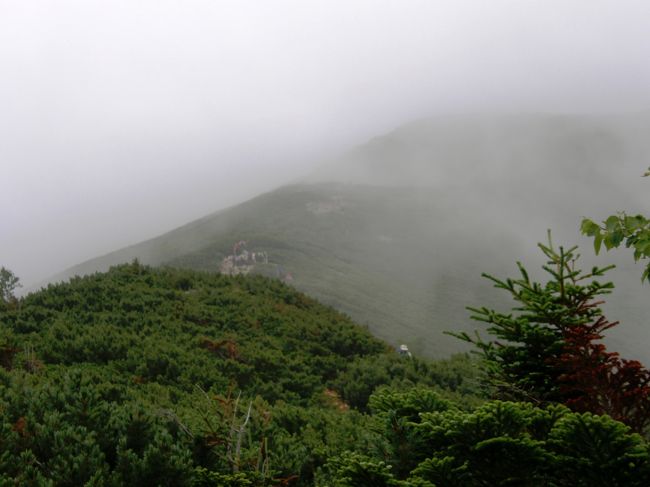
(121, 120)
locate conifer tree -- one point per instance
(549, 349)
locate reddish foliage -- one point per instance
(287, 480)
(599, 381)
(332, 397)
(223, 348)
(20, 426)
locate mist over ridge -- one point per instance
(397, 231)
(460, 149)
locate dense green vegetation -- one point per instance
(145, 376)
(426, 441)
(166, 377)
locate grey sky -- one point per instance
(122, 119)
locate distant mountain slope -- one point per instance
(397, 232)
(480, 148)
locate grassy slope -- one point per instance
(383, 270)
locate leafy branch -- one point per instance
(634, 231)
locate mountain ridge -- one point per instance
(405, 258)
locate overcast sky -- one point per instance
(123, 119)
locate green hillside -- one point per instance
(400, 234)
(135, 376)
(164, 377)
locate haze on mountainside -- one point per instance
(398, 231)
(121, 122)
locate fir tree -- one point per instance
(549, 349)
